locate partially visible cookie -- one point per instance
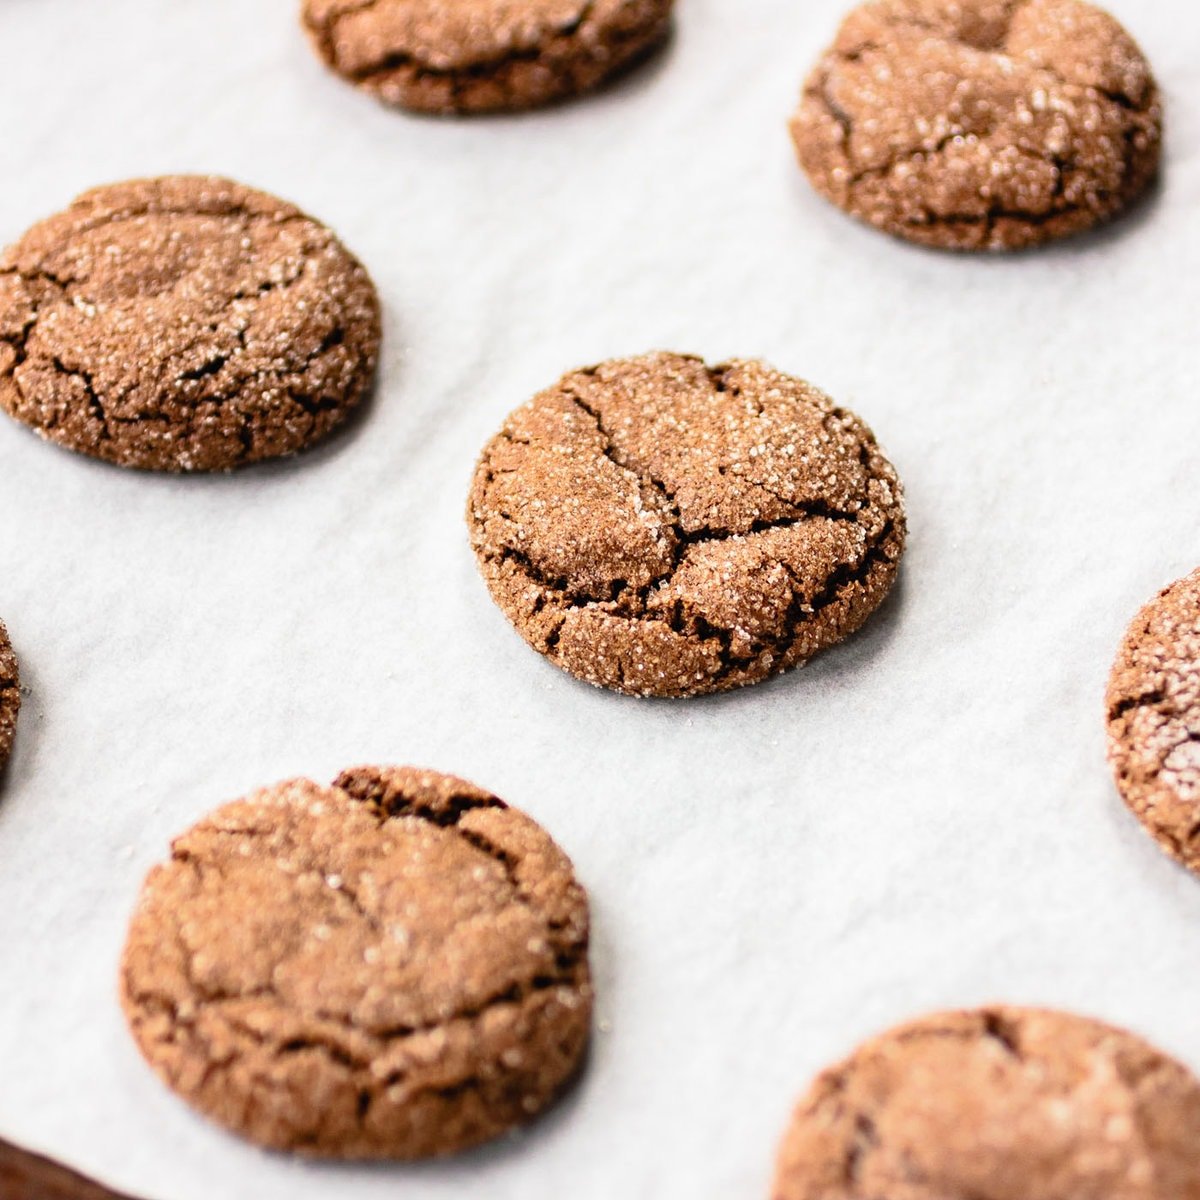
(26, 1176)
(10, 695)
(462, 56)
(184, 324)
(392, 967)
(1154, 719)
(999, 1104)
(664, 528)
(980, 124)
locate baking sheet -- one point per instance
(920, 819)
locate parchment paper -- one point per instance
(921, 819)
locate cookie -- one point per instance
(464, 56)
(980, 124)
(184, 324)
(10, 695)
(664, 528)
(25, 1176)
(1154, 719)
(1003, 1103)
(393, 967)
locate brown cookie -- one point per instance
(184, 324)
(664, 528)
(392, 967)
(10, 695)
(1154, 719)
(980, 124)
(25, 1176)
(460, 56)
(1002, 1104)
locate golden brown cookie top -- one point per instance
(1154, 719)
(999, 1104)
(482, 55)
(391, 967)
(10, 695)
(184, 323)
(662, 527)
(980, 124)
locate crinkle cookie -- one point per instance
(980, 124)
(465, 56)
(664, 528)
(998, 1104)
(392, 967)
(1154, 719)
(184, 324)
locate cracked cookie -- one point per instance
(10, 695)
(184, 324)
(393, 967)
(26, 1176)
(664, 528)
(463, 56)
(980, 124)
(1002, 1103)
(1154, 719)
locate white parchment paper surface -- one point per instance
(920, 819)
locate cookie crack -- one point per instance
(487, 66)
(864, 1141)
(802, 612)
(1190, 737)
(213, 366)
(813, 510)
(1129, 703)
(617, 458)
(38, 273)
(450, 817)
(95, 404)
(375, 794)
(643, 477)
(1003, 1033)
(823, 93)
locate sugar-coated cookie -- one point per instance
(664, 528)
(980, 124)
(184, 324)
(392, 967)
